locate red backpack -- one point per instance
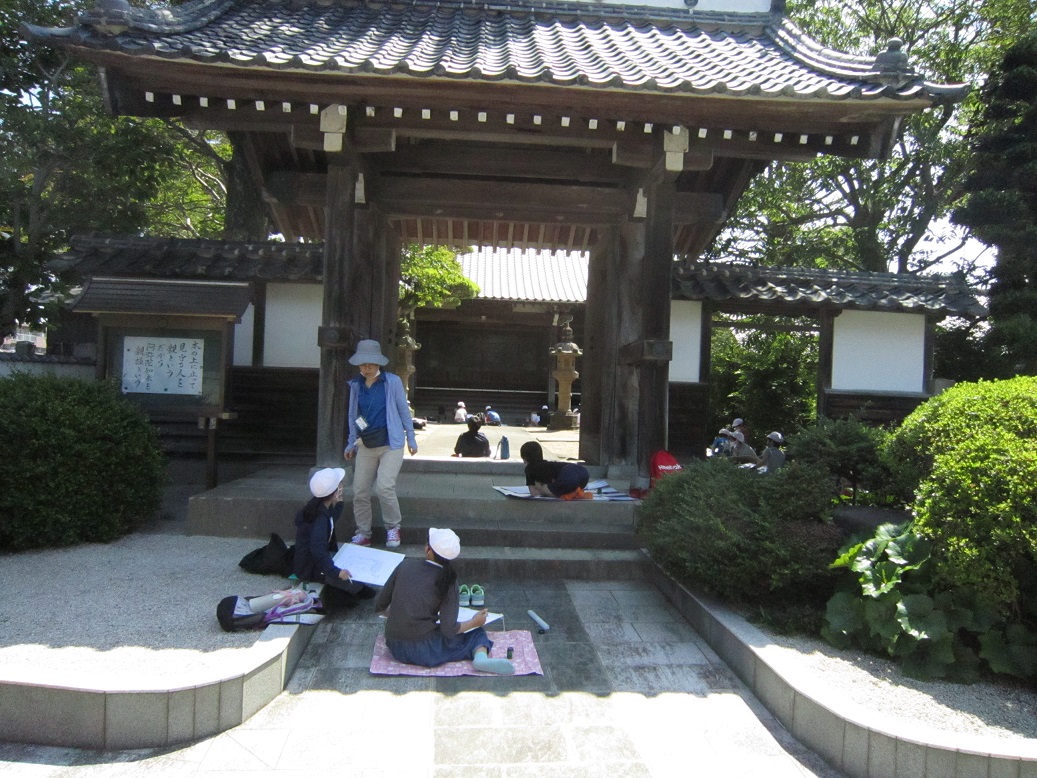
(663, 463)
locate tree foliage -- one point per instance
(1001, 204)
(874, 214)
(69, 167)
(764, 376)
(431, 277)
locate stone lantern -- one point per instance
(405, 348)
(565, 354)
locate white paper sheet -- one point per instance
(367, 565)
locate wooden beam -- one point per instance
(402, 194)
(583, 166)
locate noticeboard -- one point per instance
(177, 371)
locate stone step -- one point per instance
(503, 562)
(267, 501)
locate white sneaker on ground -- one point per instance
(392, 537)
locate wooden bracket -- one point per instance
(333, 337)
(642, 352)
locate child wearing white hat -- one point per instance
(420, 603)
(315, 541)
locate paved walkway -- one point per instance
(629, 689)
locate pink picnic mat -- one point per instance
(524, 658)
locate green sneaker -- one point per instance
(464, 596)
(478, 596)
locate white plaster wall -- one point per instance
(243, 337)
(686, 334)
(293, 313)
(878, 352)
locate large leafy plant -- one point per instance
(890, 604)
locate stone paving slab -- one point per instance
(619, 697)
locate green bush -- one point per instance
(852, 453)
(977, 506)
(969, 454)
(944, 422)
(83, 464)
(751, 539)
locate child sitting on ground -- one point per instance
(420, 603)
(565, 480)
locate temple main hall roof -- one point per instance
(603, 46)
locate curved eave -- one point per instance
(885, 99)
(796, 68)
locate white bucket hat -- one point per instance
(369, 352)
(326, 481)
(444, 542)
(777, 437)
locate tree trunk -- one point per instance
(245, 217)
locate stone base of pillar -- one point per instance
(564, 420)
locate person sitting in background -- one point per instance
(741, 452)
(721, 446)
(472, 443)
(545, 416)
(565, 480)
(739, 425)
(772, 457)
(492, 417)
(460, 415)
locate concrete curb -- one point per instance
(118, 718)
(855, 740)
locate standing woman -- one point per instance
(420, 603)
(379, 422)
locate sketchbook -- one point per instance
(366, 565)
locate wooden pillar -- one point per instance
(825, 339)
(337, 336)
(598, 347)
(928, 355)
(609, 406)
(258, 323)
(656, 282)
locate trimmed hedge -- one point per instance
(749, 538)
(973, 451)
(83, 464)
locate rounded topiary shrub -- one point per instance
(83, 464)
(972, 452)
(946, 421)
(749, 538)
(978, 507)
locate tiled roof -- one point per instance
(517, 275)
(829, 289)
(571, 44)
(168, 298)
(215, 260)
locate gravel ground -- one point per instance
(143, 606)
(988, 709)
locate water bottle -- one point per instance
(505, 448)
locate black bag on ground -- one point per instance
(275, 558)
